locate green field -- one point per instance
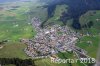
(93, 35)
(65, 55)
(58, 12)
(93, 16)
(92, 48)
(14, 25)
(13, 50)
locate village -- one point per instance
(50, 40)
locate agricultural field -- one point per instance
(15, 25)
(13, 50)
(91, 48)
(14, 22)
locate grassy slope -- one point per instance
(94, 30)
(90, 48)
(13, 50)
(91, 16)
(57, 14)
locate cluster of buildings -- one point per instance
(49, 40)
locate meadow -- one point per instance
(13, 50)
(90, 34)
(15, 25)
